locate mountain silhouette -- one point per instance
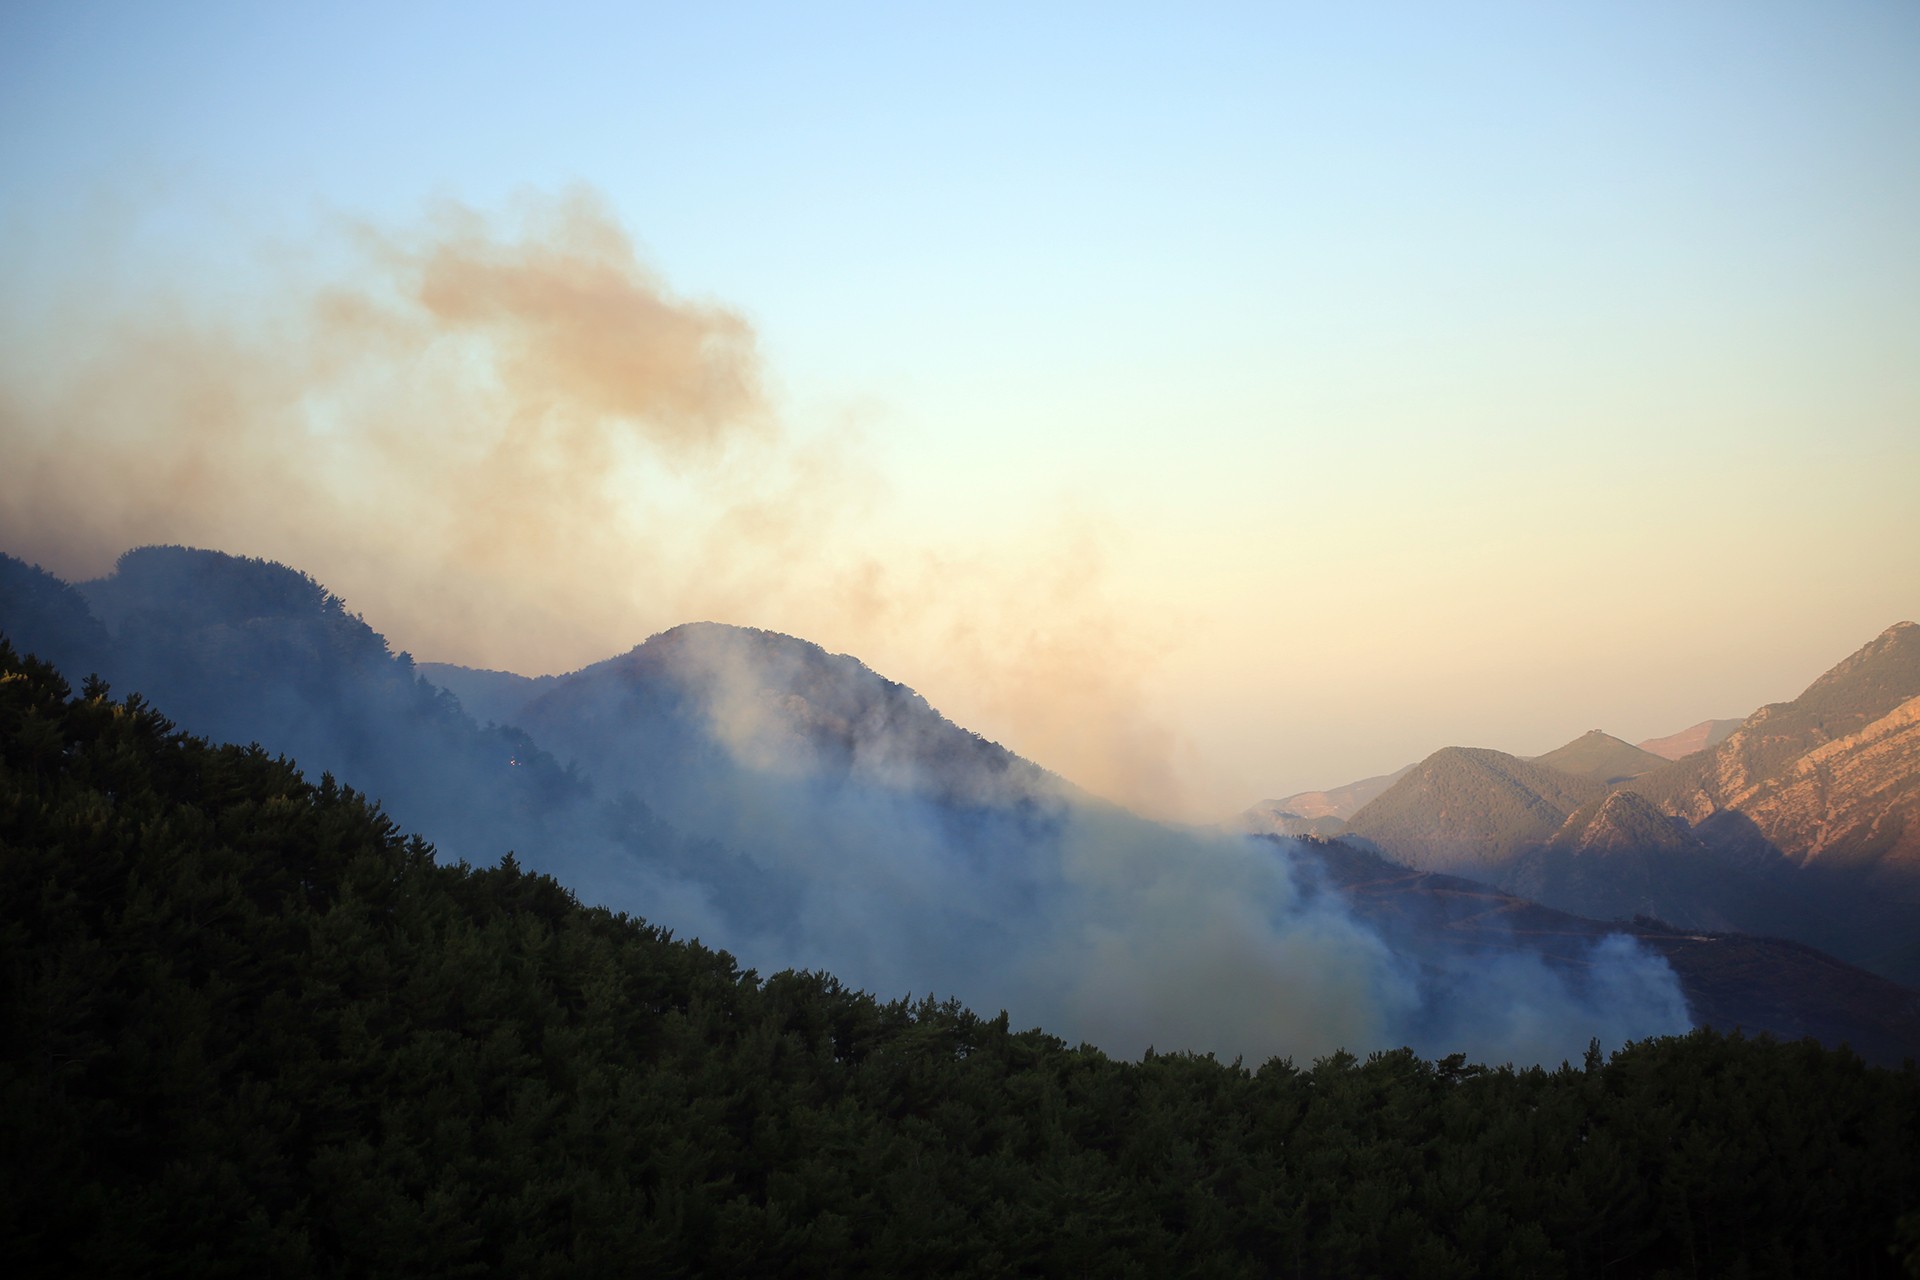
(796, 805)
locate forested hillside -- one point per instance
(800, 809)
(252, 1028)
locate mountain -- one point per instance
(1822, 794)
(46, 616)
(1271, 818)
(249, 651)
(1470, 809)
(490, 697)
(1602, 757)
(1708, 733)
(1314, 813)
(781, 706)
(1339, 802)
(1732, 981)
(1618, 857)
(1831, 778)
(1511, 804)
(251, 1023)
(1804, 821)
(1620, 822)
(801, 809)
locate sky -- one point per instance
(1208, 404)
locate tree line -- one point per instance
(251, 1027)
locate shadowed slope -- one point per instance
(495, 697)
(1731, 981)
(45, 616)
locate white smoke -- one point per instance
(906, 860)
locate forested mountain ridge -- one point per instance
(1602, 757)
(488, 696)
(252, 1028)
(799, 809)
(247, 650)
(1465, 807)
(252, 651)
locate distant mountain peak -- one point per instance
(1599, 755)
(778, 703)
(1861, 680)
(1698, 737)
(1334, 805)
(1467, 807)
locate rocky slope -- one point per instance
(1830, 779)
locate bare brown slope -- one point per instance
(1853, 802)
(1335, 802)
(1708, 733)
(1832, 777)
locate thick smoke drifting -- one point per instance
(469, 407)
(512, 443)
(893, 847)
(515, 447)
(796, 808)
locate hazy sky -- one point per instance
(1209, 406)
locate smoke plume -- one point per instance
(508, 441)
(889, 845)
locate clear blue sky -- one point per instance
(1225, 401)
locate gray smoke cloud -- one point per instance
(904, 853)
(504, 435)
(796, 808)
